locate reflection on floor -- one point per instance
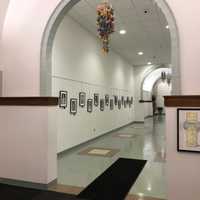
(139, 141)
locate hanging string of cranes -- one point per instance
(105, 24)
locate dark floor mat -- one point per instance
(115, 182)
(8, 192)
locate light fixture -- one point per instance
(122, 32)
(149, 63)
(140, 53)
(105, 24)
(167, 27)
(149, 188)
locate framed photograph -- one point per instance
(131, 100)
(111, 104)
(102, 104)
(119, 104)
(82, 99)
(122, 99)
(96, 99)
(89, 105)
(127, 100)
(115, 99)
(63, 97)
(188, 130)
(73, 106)
(125, 104)
(107, 100)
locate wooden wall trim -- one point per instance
(182, 101)
(143, 101)
(28, 101)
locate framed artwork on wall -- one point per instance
(63, 97)
(96, 99)
(122, 99)
(125, 104)
(111, 104)
(115, 99)
(131, 100)
(73, 106)
(127, 100)
(82, 99)
(102, 104)
(89, 105)
(119, 104)
(188, 130)
(107, 100)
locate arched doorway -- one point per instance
(55, 20)
(47, 47)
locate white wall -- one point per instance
(142, 110)
(80, 66)
(161, 89)
(28, 148)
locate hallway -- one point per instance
(79, 166)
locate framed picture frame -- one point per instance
(119, 104)
(115, 99)
(188, 130)
(131, 100)
(107, 100)
(122, 99)
(111, 104)
(63, 98)
(73, 106)
(125, 104)
(102, 104)
(89, 105)
(127, 100)
(82, 99)
(96, 99)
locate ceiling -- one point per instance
(145, 32)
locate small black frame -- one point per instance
(73, 106)
(111, 104)
(102, 104)
(63, 98)
(107, 100)
(89, 105)
(82, 99)
(96, 99)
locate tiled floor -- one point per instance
(76, 171)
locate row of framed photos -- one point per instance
(107, 101)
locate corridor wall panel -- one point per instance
(78, 65)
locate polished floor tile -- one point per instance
(148, 142)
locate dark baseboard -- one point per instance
(26, 184)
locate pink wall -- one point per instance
(22, 36)
(29, 142)
(187, 17)
(183, 174)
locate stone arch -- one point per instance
(56, 19)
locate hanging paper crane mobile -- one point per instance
(105, 23)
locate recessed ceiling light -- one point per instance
(149, 188)
(122, 32)
(140, 194)
(149, 63)
(167, 27)
(140, 53)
